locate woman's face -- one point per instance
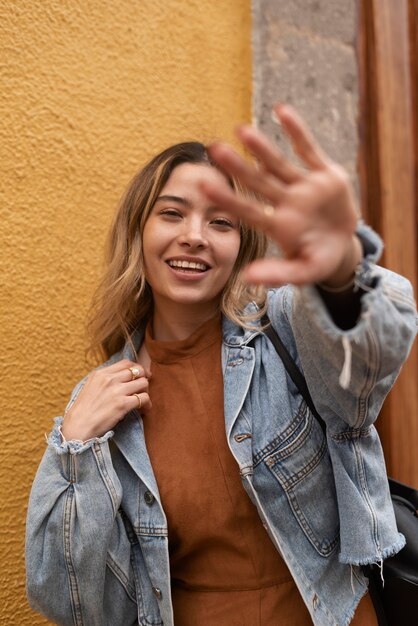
(190, 246)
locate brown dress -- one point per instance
(225, 570)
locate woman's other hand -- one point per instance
(309, 211)
(108, 395)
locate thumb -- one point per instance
(277, 272)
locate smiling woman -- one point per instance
(187, 482)
(163, 195)
(190, 249)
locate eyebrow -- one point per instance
(183, 201)
(178, 199)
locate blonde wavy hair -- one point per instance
(123, 301)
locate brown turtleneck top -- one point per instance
(225, 570)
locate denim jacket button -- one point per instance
(149, 498)
(157, 593)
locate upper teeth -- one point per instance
(191, 264)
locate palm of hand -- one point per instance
(310, 213)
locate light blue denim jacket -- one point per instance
(97, 548)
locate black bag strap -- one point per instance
(292, 369)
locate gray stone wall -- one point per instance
(304, 54)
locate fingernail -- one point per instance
(275, 118)
(245, 133)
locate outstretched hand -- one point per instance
(310, 213)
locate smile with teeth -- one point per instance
(188, 266)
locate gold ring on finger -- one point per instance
(138, 397)
(135, 372)
(269, 210)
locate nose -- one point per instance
(193, 234)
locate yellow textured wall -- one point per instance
(89, 90)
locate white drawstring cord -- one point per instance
(380, 564)
(345, 375)
(352, 580)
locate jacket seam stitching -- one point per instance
(293, 446)
(370, 379)
(120, 575)
(289, 483)
(365, 490)
(139, 591)
(348, 435)
(398, 296)
(72, 578)
(301, 517)
(149, 532)
(282, 436)
(101, 464)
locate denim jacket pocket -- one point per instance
(302, 466)
(148, 609)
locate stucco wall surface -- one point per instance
(89, 90)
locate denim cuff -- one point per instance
(372, 251)
(367, 278)
(75, 446)
(371, 242)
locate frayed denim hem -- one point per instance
(377, 557)
(75, 446)
(349, 618)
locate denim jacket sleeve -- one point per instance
(349, 374)
(77, 550)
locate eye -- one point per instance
(171, 213)
(222, 221)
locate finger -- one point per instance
(248, 210)
(119, 366)
(282, 225)
(135, 386)
(140, 402)
(268, 155)
(301, 137)
(132, 371)
(277, 272)
(262, 183)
